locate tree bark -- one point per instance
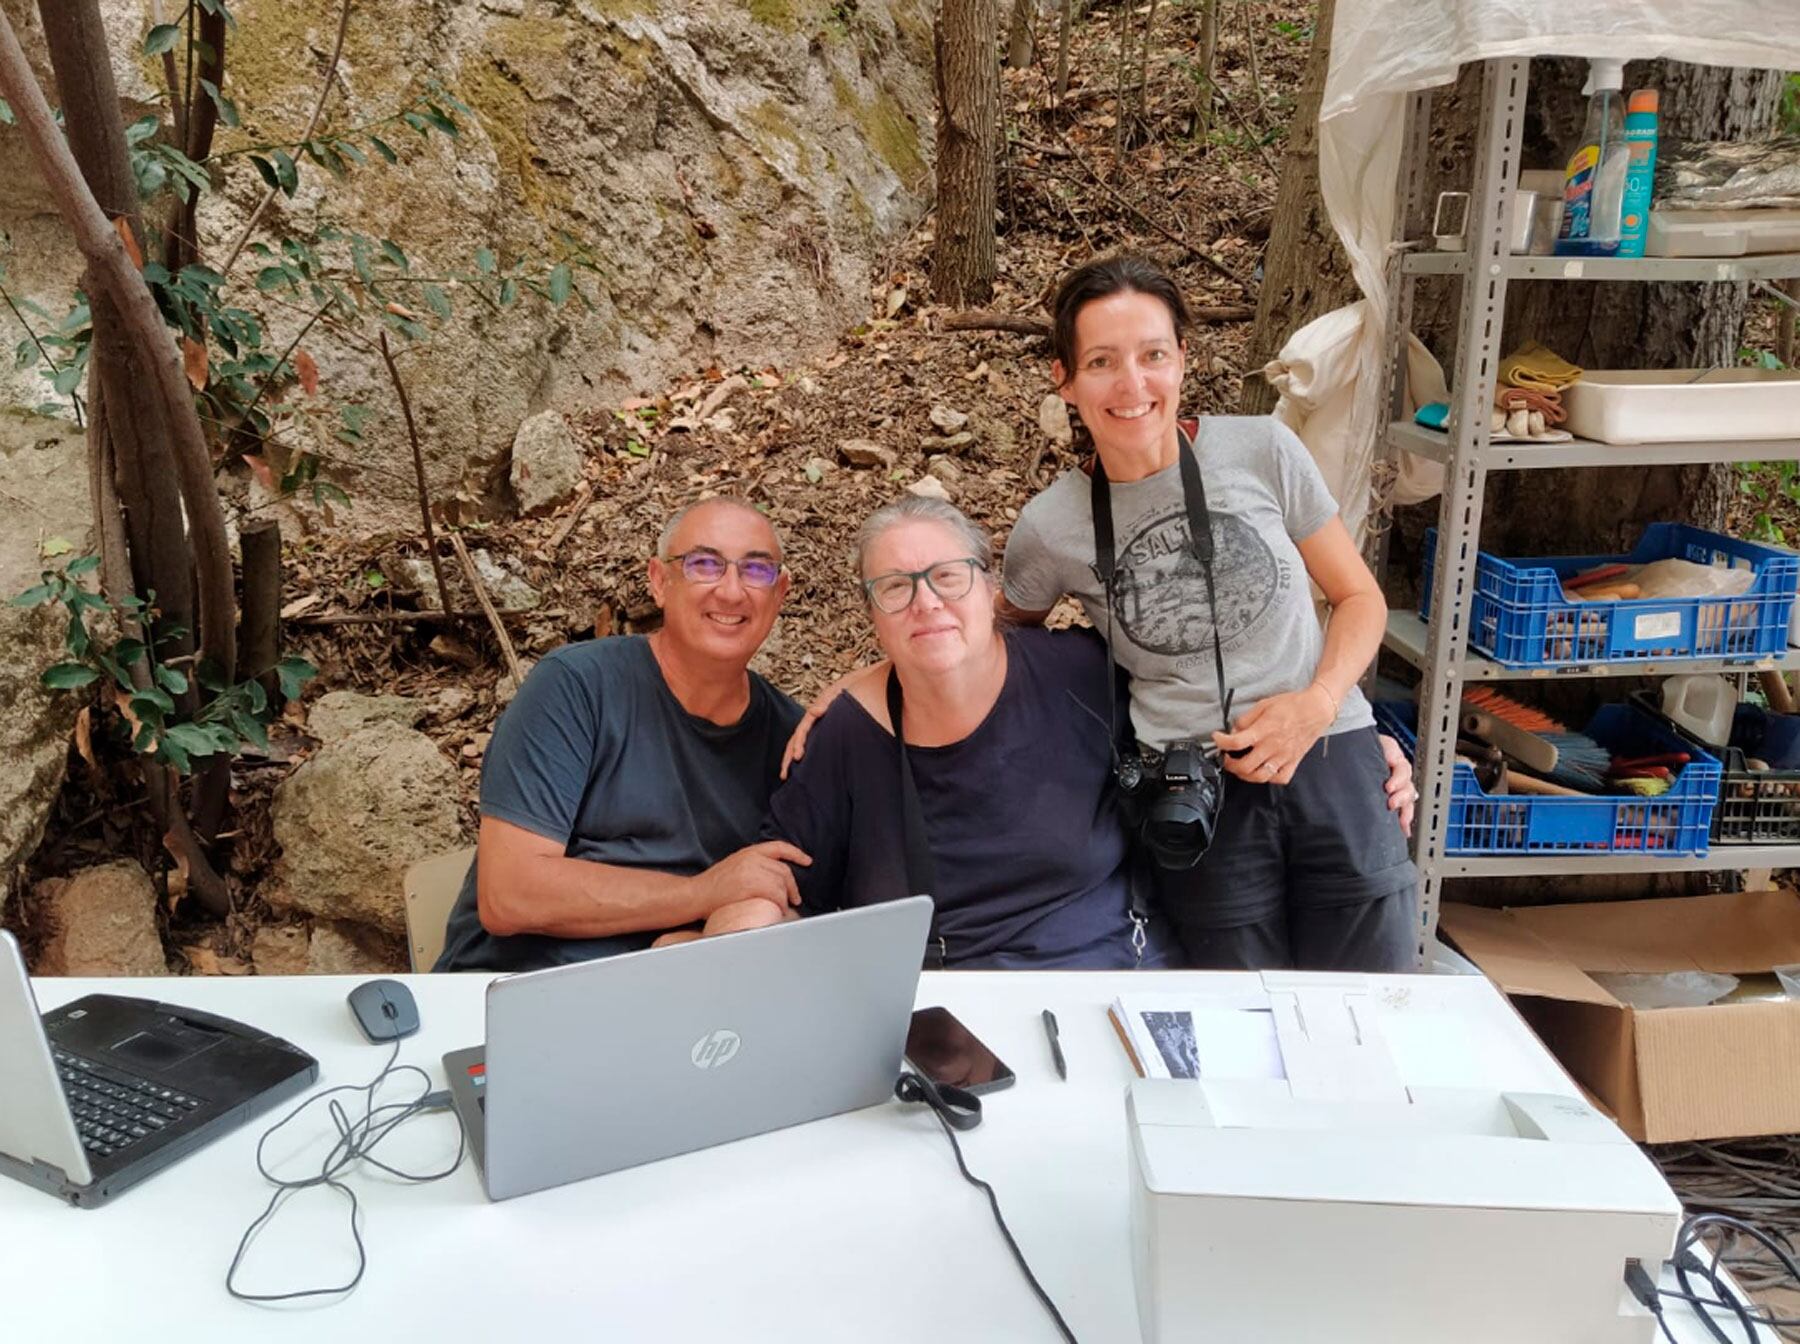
(1065, 21)
(260, 542)
(1306, 273)
(968, 88)
(1021, 42)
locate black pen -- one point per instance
(1062, 1066)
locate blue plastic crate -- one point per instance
(1519, 616)
(1673, 823)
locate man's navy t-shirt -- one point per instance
(1028, 848)
(597, 754)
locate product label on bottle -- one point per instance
(1578, 191)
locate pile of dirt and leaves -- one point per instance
(1143, 150)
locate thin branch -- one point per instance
(567, 525)
(171, 76)
(269, 377)
(487, 607)
(1251, 135)
(1262, 102)
(43, 354)
(418, 456)
(312, 123)
(400, 617)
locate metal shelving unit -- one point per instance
(1438, 649)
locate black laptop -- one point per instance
(107, 1090)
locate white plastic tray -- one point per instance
(1684, 405)
(1722, 233)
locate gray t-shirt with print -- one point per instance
(1264, 494)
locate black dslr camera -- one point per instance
(1173, 801)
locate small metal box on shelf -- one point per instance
(1521, 615)
(1671, 824)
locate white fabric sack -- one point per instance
(1382, 50)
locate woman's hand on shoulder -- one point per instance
(863, 677)
(1273, 735)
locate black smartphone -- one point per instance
(945, 1051)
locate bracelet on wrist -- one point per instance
(1330, 699)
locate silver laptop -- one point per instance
(608, 1064)
(100, 1093)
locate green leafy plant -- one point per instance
(235, 714)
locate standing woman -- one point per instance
(1306, 867)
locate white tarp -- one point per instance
(1382, 50)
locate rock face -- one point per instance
(43, 496)
(546, 462)
(733, 166)
(354, 817)
(104, 923)
(338, 714)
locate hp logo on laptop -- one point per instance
(715, 1049)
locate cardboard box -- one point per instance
(1725, 1070)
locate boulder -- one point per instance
(948, 419)
(929, 487)
(865, 453)
(546, 462)
(351, 820)
(280, 949)
(337, 714)
(43, 502)
(1053, 420)
(338, 948)
(103, 922)
(505, 582)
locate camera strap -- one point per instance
(921, 875)
(1106, 560)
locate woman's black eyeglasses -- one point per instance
(703, 566)
(949, 579)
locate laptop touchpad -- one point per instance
(158, 1049)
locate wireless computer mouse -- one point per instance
(384, 1009)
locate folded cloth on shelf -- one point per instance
(1537, 369)
(1548, 404)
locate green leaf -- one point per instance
(440, 119)
(152, 698)
(228, 112)
(205, 277)
(349, 151)
(267, 171)
(67, 379)
(207, 674)
(6, 113)
(76, 640)
(390, 250)
(418, 123)
(31, 597)
(55, 546)
(172, 753)
(273, 277)
(129, 651)
(145, 739)
(509, 290)
(294, 673)
(171, 680)
(384, 149)
(82, 564)
(250, 729)
(439, 301)
(285, 171)
(141, 130)
(162, 38)
(259, 698)
(193, 738)
(484, 260)
(561, 282)
(69, 676)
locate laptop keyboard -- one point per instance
(113, 1109)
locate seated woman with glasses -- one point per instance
(1007, 739)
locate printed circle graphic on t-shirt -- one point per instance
(1162, 591)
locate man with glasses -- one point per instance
(625, 785)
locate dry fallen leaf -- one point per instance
(308, 371)
(123, 701)
(299, 605)
(123, 227)
(84, 737)
(193, 361)
(259, 467)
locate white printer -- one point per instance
(1342, 1201)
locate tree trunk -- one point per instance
(1206, 59)
(1306, 273)
(1065, 21)
(968, 87)
(1021, 43)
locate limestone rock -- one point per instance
(337, 714)
(280, 949)
(352, 819)
(452, 702)
(348, 949)
(104, 922)
(43, 495)
(948, 419)
(411, 575)
(506, 688)
(946, 469)
(865, 453)
(505, 582)
(930, 487)
(1053, 420)
(546, 462)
